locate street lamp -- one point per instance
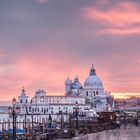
(76, 113)
(13, 112)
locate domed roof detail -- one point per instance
(76, 84)
(93, 81)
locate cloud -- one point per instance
(120, 31)
(42, 1)
(122, 19)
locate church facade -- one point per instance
(92, 90)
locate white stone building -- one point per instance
(43, 104)
(92, 90)
(90, 95)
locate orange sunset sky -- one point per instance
(44, 41)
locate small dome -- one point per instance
(93, 81)
(76, 84)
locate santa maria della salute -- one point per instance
(91, 95)
(92, 91)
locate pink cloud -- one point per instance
(39, 68)
(42, 1)
(120, 31)
(120, 19)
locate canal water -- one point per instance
(129, 132)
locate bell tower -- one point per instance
(68, 83)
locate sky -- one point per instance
(44, 41)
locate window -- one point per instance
(46, 109)
(20, 100)
(96, 92)
(26, 109)
(87, 93)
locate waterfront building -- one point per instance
(132, 103)
(89, 96)
(44, 104)
(92, 90)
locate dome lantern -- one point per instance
(92, 70)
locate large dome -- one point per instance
(93, 81)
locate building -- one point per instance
(44, 104)
(92, 90)
(89, 95)
(128, 103)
